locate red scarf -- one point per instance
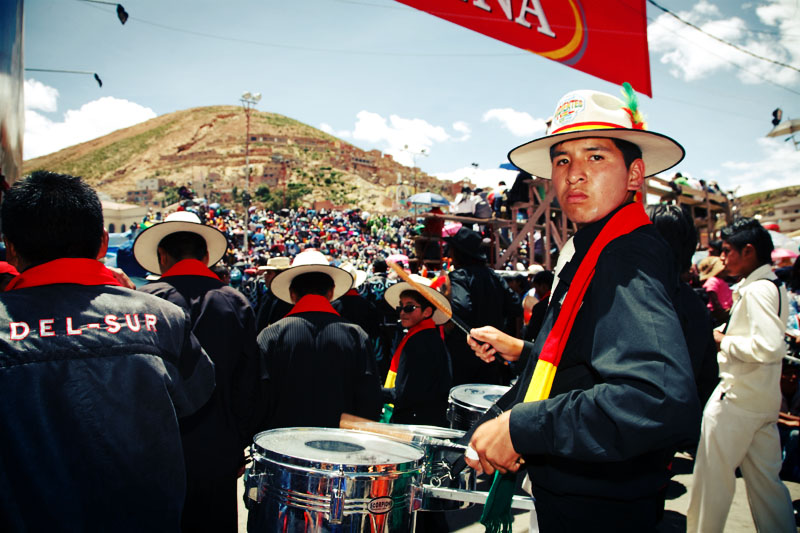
(75, 270)
(312, 302)
(189, 267)
(624, 221)
(395, 364)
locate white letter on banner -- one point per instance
(505, 5)
(536, 11)
(19, 330)
(482, 4)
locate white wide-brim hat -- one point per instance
(146, 244)
(359, 276)
(585, 113)
(310, 261)
(392, 296)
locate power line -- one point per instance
(748, 52)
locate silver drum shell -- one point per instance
(467, 403)
(331, 493)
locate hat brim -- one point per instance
(659, 152)
(146, 244)
(718, 267)
(392, 297)
(342, 281)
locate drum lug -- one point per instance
(337, 499)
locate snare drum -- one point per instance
(467, 403)
(325, 480)
(437, 469)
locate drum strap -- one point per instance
(497, 511)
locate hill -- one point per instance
(763, 203)
(204, 148)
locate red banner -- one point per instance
(604, 39)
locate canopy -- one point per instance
(428, 198)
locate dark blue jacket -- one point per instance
(93, 380)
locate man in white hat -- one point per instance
(182, 249)
(597, 449)
(316, 364)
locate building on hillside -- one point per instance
(786, 216)
(139, 197)
(150, 184)
(119, 217)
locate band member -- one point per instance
(623, 396)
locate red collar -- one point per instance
(312, 302)
(66, 270)
(427, 323)
(189, 267)
(352, 292)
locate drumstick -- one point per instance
(419, 288)
(348, 421)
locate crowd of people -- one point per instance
(128, 406)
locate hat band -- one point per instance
(582, 126)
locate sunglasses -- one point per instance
(406, 308)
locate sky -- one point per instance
(382, 75)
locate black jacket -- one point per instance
(624, 394)
(423, 381)
(89, 414)
(480, 298)
(317, 366)
(224, 323)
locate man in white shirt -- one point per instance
(739, 422)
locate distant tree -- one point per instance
(263, 194)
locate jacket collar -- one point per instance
(762, 272)
(75, 270)
(311, 303)
(189, 267)
(582, 240)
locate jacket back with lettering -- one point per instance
(93, 380)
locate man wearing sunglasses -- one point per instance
(419, 376)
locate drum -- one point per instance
(437, 468)
(467, 403)
(325, 480)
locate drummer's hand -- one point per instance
(492, 442)
(488, 341)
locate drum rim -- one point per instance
(409, 466)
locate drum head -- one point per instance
(326, 449)
(477, 396)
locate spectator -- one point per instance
(739, 429)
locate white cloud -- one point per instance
(692, 55)
(405, 139)
(94, 119)
(779, 167)
(462, 128)
(40, 96)
(327, 128)
(519, 123)
(480, 177)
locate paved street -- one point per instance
(739, 519)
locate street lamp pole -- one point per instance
(248, 101)
(414, 165)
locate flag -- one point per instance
(607, 40)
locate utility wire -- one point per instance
(748, 52)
